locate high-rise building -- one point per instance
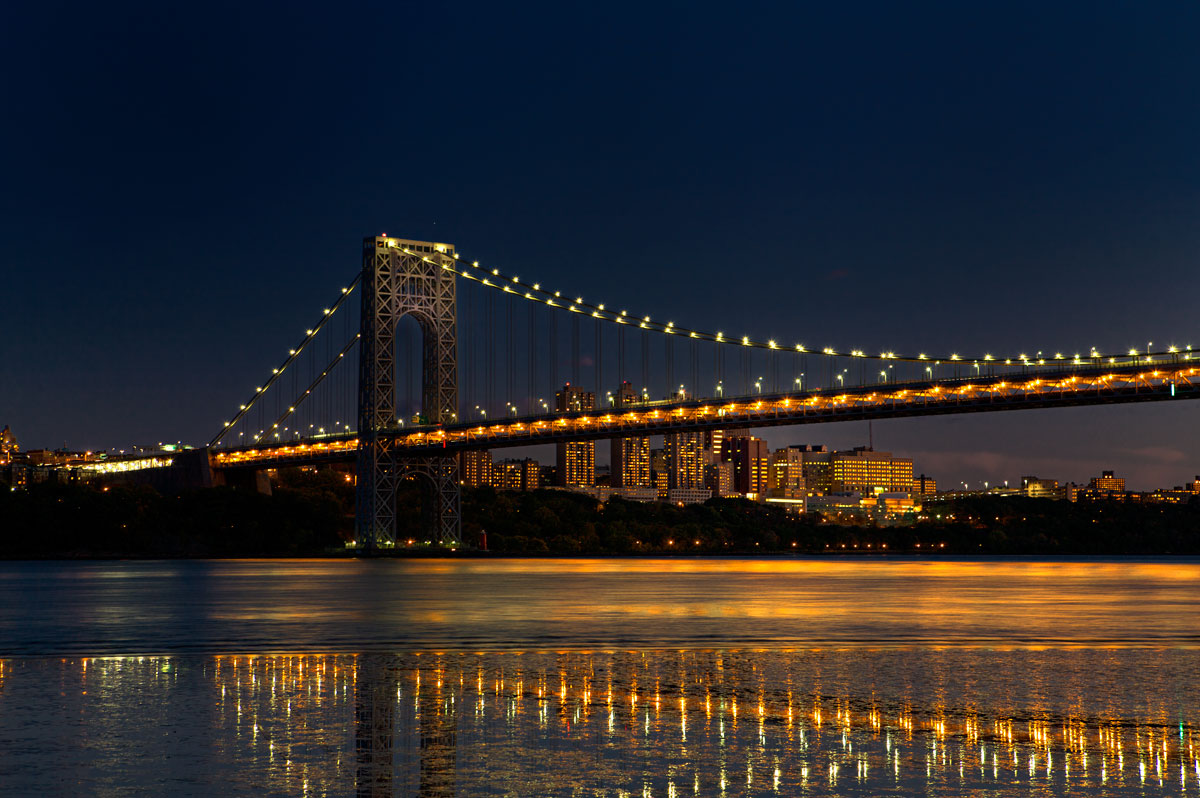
(576, 459)
(684, 460)
(576, 464)
(718, 478)
(626, 396)
(713, 439)
(785, 474)
(631, 463)
(749, 456)
(630, 457)
(658, 472)
(924, 486)
(868, 472)
(817, 466)
(475, 468)
(573, 399)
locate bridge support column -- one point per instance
(403, 277)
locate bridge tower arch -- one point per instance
(405, 277)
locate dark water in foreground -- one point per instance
(600, 677)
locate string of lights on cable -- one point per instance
(472, 270)
(309, 335)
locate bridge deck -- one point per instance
(1077, 387)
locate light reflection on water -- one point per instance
(600, 677)
(634, 723)
(265, 605)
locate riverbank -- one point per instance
(311, 515)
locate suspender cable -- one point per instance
(695, 386)
(645, 362)
(312, 387)
(598, 341)
(621, 356)
(293, 355)
(511, 356)
(719, 369)
(670, 349)
(531, 364)
(490, 360)
(553, 351)
(471, 338)
(575, 350)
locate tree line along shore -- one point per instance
(311, 514)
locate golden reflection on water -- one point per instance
(660, 723)
(834, 600)
(496, 604)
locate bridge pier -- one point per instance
(404, 277)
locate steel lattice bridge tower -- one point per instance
(405, 278)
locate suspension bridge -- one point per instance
(426, 354)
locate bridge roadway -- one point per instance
(1090, 384)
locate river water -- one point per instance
(606, 677)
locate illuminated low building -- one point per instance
(1107, 482)
(1036, 488)
(868, 471)
(516, 475)
(885, 508)
(688, 495)
(8, 445)
(924, 486)
(603, 493)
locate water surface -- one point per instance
(392, 605)
(600, 677)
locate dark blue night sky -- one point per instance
(183, 185)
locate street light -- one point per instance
(758, 385)
(720, 388)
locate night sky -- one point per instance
(183, 185)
